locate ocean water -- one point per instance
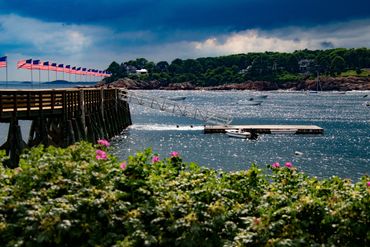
(343, 150)
(42, 85)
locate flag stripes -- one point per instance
(38, 65)
(3, 62)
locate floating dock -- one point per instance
(266, 129)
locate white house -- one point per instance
(142, 71)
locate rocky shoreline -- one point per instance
(326, 84)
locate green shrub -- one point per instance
(78, 197)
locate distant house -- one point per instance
(305, 65)
(142, 71)
(246, 70)
(130, 69)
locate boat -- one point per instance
(258, 97)
(250, 102)
(238, 133)
(318, 86)
(178, 98)
(283, 131)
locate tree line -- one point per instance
(268, 66)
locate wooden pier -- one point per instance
(266, 129)
(61, 117)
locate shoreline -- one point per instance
(326, 84)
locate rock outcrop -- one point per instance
(326, 84)
(136, 84)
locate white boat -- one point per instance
(238, 133)
(312, 92)
(250, 102)
(283, 131)
(258, 97)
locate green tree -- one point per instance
(161, 66)
(177, 66)
(338, 64)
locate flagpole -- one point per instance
(31, 75)
(48, 74)
(6, 74)
(39, 76)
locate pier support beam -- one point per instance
(14, 144)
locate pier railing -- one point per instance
(61, 117)
(175, 107)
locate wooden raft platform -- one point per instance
(265, 129)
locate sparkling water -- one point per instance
(343, 150)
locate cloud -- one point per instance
(97, 46)
(349, 34)
(57, 38)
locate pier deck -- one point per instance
(265, 129)
(61, 117)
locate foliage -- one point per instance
(285, 77)
(359, 73)
(70, 197)
(268, 66)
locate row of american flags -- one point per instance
(36, 64)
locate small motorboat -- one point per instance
(178, 98)
(238, 133)
(258, 97)
(250, 102)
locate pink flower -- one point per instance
(155, 159)
(368, 184)
(289, 164)
(104, 142)
(174, 154)
(101, 155)
(275, 165)
(123, 165)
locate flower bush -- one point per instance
(68, 197)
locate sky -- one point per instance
(92, 34)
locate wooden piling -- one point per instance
(61, 116)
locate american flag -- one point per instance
(67, 69)
(84, 71)
(53, 67)
(73, 70)
(24, 64)
(36, 64)
(45, 66)
(60, 67)
(3, 62)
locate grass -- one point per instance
(364, 73)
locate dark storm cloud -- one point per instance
(95, 32)
(170, 15)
